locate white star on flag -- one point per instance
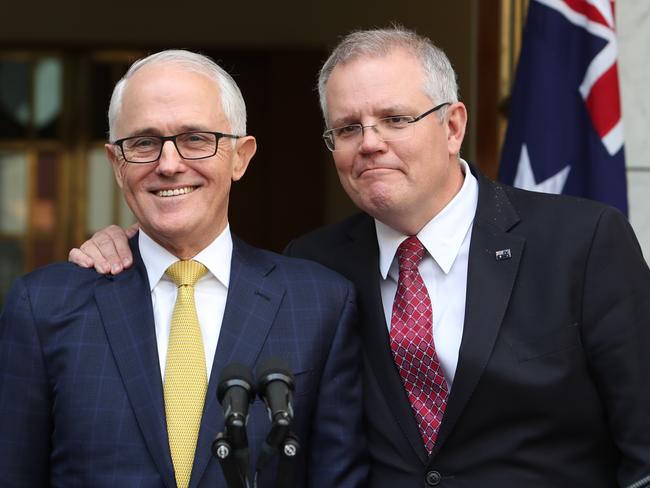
(525, 178)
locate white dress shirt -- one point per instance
(210, 292)
(444, 269)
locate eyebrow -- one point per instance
(153, 131)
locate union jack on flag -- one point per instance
(565, 130)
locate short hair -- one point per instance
(232, 101)
(439, 77)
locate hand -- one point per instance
(107, 250)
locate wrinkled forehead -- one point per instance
(170, 75)
(168, 96)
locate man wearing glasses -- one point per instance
(112, 381)
(505, 333)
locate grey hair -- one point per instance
(232, 101)
(439, 77)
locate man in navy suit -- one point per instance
(83, 356)
(541, 303)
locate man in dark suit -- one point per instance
(539, 305)
(104, 381)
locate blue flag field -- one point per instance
(565, 130)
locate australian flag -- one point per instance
(565, 131)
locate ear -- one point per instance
(119, 166)
(456, 123)
(244, 151)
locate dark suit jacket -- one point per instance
(552, 387)
(80, 386)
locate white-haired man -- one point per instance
(113, 382)
(505, 333)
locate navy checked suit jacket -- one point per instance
(81, 400)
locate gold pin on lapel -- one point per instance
(502, 254)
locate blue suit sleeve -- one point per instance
(337, 450)
(25, 422)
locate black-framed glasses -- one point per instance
(190, 145)
(393, 128)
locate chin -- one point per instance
(380, 197)
(170, 230)
(377, 206)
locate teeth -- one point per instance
(175, 192)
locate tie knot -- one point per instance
(410, 253)
(186, 272)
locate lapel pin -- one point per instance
(503, 254)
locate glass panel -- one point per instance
(103, 77)
(101, 87)
(44, 214)
(126, 216)
(12, 257)
(13, 217)
(105, 198)
(43, 251)
(48, 79)
(13, 193)
(100, 184)
(15, 100)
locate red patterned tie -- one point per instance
(411, 340)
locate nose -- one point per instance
(370, 140)
(170, 160)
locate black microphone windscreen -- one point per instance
(235, 374)
(273, 368)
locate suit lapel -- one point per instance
(254, 297)
(124, 303)
(490, 281)
(361, 257)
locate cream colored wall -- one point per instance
(633, 24)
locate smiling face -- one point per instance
(181, 204)
(402, 183)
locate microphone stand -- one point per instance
(222, 450)
(235, 392)
(288, 462)
(233, 460)
(281, 440)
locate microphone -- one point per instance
(235, 392)
(275, 385)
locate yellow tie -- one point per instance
(185, 375)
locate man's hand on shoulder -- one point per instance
(107, 250)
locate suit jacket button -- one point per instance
(433, 478)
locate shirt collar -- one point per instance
(216, 257)
(443, 235)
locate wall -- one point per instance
(633, 24)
